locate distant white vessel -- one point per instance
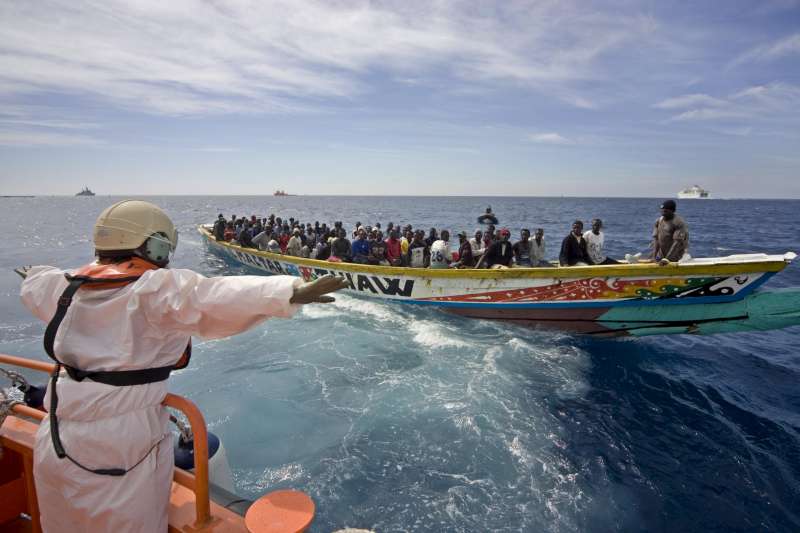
(695, 191)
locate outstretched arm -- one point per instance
(182, 300)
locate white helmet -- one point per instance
(129, 224)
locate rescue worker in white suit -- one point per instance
(103, 459)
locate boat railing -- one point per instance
(197, 483)
(288, 510)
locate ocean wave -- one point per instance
(319, 311)
(432, 335)
(373, 310)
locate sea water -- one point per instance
(405, 418)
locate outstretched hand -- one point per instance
(317, 290)
(22, 271)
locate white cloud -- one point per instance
(774, 96)
(191, 57)
(548, 138)
(789, 45)
(759, 102)
(690, 100)
(708, 114)
(39, 138)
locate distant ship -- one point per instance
(280, 192)
(85, 192)
(694, 191)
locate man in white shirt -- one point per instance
(539, 249)
(595, 239)
(295, 244)
(262, 239)
(441, 256)
(477, 244)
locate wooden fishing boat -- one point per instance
(704, 295)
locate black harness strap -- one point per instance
(61, 311)
(117, 378)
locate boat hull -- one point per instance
(577, 299)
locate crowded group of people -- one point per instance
(409, 247)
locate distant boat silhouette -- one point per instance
(280, 192)
(85, 192)
(694, 192)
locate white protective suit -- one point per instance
(145, 324)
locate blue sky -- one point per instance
(617, 98)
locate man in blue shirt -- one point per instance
(360, 247)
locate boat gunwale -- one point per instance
(554, 272)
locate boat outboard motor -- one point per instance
(219, 472)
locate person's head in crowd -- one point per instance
(597, 225)
(539, 234)
(577, 228)
(478, 235)
(525, 234)
(445, 235)
(504, 234)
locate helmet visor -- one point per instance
(163, 246)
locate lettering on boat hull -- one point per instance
(379, 285)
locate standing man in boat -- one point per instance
(670, 235)
(103, 459)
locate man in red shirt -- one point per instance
(393, 252)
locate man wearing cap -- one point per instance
(499, 254)
(670, 235)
